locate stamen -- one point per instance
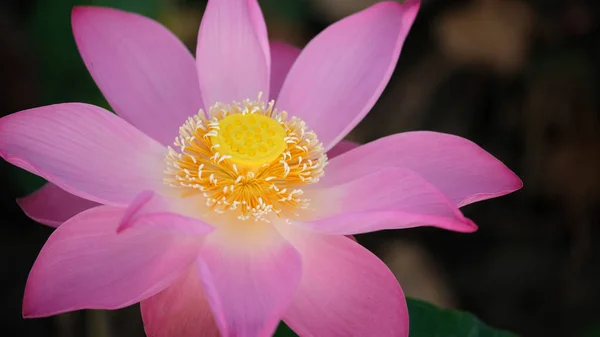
(246, 158)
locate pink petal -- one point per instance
(85, 264)
(51, 205)
(340, 74)
(147, 75)
(341, 147)
(250, 274)
(231, 56)
(461, 170)
(283, 56)
(345, 291)
(392, 198)
(180, 310)
(150, 210)
(85, 150)
(259, 24)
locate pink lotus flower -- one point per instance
(243, 222)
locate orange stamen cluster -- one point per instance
(246, 158)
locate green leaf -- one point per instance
(427, 320)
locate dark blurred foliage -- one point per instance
(518, 77)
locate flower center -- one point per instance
(246, 158)
(250, 139)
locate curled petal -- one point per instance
(457, 167)
(85, 150)
(249, 274)
(388, 199)
(345, 291)
(146, 74)
(51, 205)
(232, 55)
(150, 210)
(85, 264)
(180, 310)
(340, 74)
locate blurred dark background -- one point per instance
(519, 77)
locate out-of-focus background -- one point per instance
(519, 77)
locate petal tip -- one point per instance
(412, 3)
(407, 10)
(27, 314)
(511, 181)
(25, 311)
(82, 14)
(23, 203)
(78, 12)
(517, 182)
(29, 311)
(85, 14)
(29, 308)
(411, 6)
(470, 226)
